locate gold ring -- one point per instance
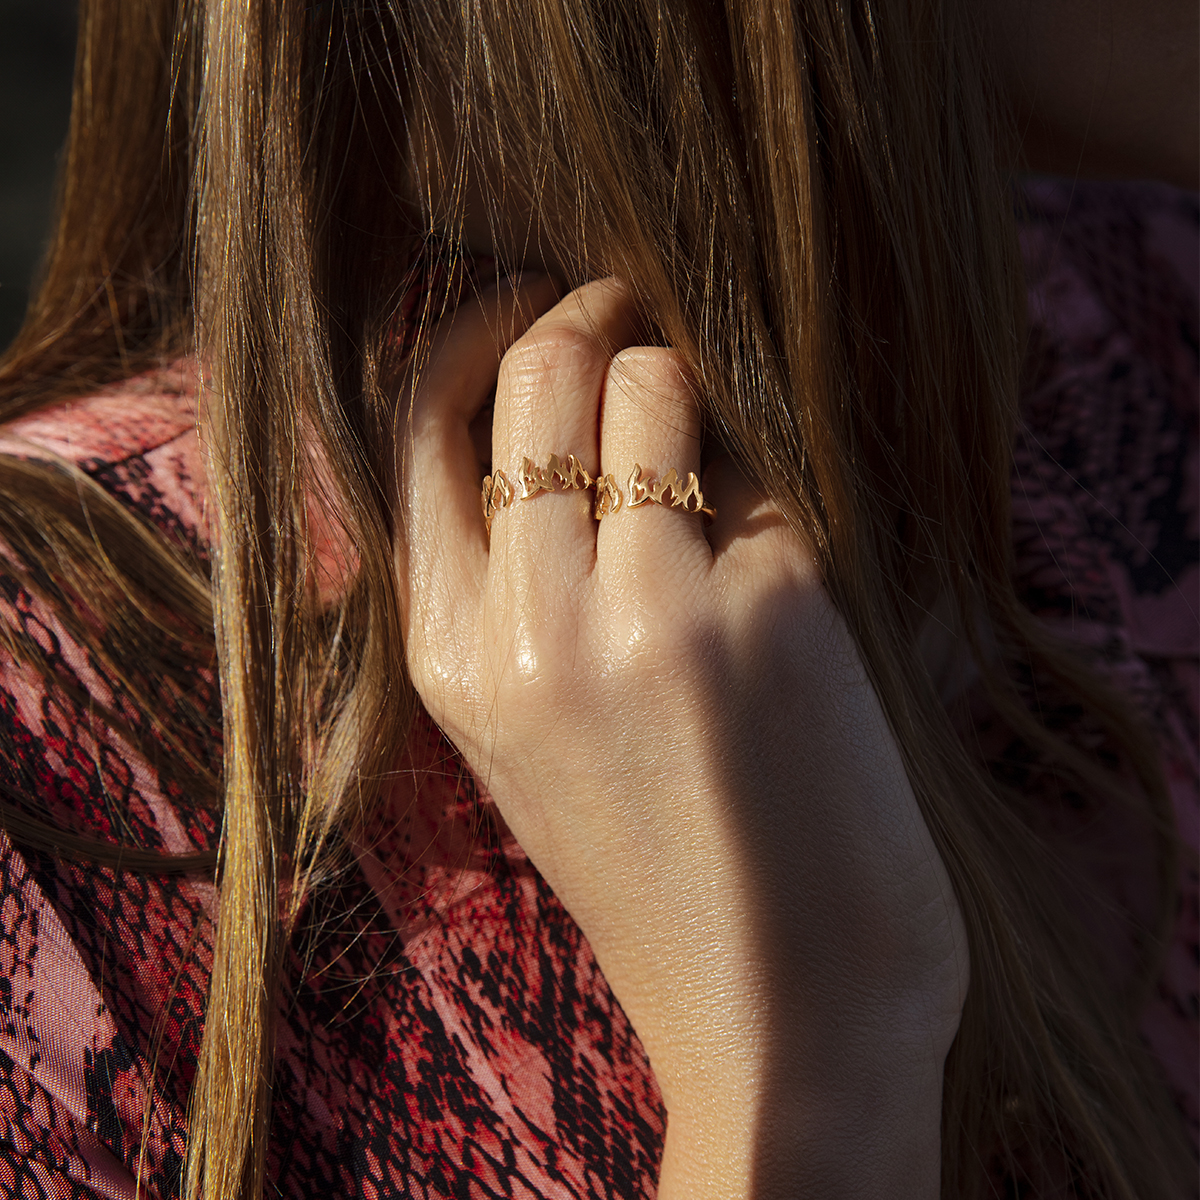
(670, 492)
(497, 493)
(566, 474)
(569, 474)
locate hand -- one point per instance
(676, 725)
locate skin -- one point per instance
(670, 715)
(676, 725)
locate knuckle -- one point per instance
(652, 364)
(655, 379)
(546, 354)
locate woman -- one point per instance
(741, 753)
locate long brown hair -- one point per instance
(807, 203)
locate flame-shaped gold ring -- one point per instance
(670, 492)
(561, 474)
(569, 474)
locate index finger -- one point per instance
(441, 549)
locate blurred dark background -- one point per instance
(37, 49)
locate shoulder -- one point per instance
(91, 955)
(130, 417)
(1107, 458)
(137, 439)
(1100, 256)
(90, 678)
(1106, 515)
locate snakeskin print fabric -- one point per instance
(445, 1031)
(1106, 515)
(1105, 524)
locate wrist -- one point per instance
(854, 1121)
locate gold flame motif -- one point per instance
(670, 492)
(566, 474)
(497, 493)
(569, 474)
(608, 497)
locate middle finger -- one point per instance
(547, 402)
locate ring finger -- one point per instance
(650, 443)
(547, 403)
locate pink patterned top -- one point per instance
(450, 1034)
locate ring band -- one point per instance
(569, 474)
